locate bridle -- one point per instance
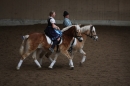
(77, 37)
(91, 32)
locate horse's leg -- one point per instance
(47, 55)
(84, 56)
(19, 64)
(54, 61)
(65, 52)
(72, 55)
(41, 57)
(25, 51)
(21, 52)
(39, 54)
(35, 59)
(21, 60)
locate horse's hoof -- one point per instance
(39, 67)
(80, 64)
(50, 67)
(41, 64)
(72, 68)
(17, 68)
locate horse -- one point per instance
(86, 31)
(33, 41)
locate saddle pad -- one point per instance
(49, 41)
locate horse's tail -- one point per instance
(23, 45)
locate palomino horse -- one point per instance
(38, 40)
(87, 30)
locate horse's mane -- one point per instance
(66, 28)
(83, 25)
(85, 28)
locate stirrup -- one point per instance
(52, 50)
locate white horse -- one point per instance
(86, 31)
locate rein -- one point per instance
(77, 36)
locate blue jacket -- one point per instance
(66, 22)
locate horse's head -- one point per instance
(90, 31)
(73, 31)
(78, 33)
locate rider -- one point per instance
(67, 22)
(53, 31)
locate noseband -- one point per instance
(77, 37)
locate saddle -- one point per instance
(49, 41)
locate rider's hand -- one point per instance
(58, 39)
(58, 28)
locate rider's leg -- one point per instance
(55, 42)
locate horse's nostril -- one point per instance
(80, 40)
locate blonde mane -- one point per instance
(66, 28)
(85, 28)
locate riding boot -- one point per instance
(55, 42)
